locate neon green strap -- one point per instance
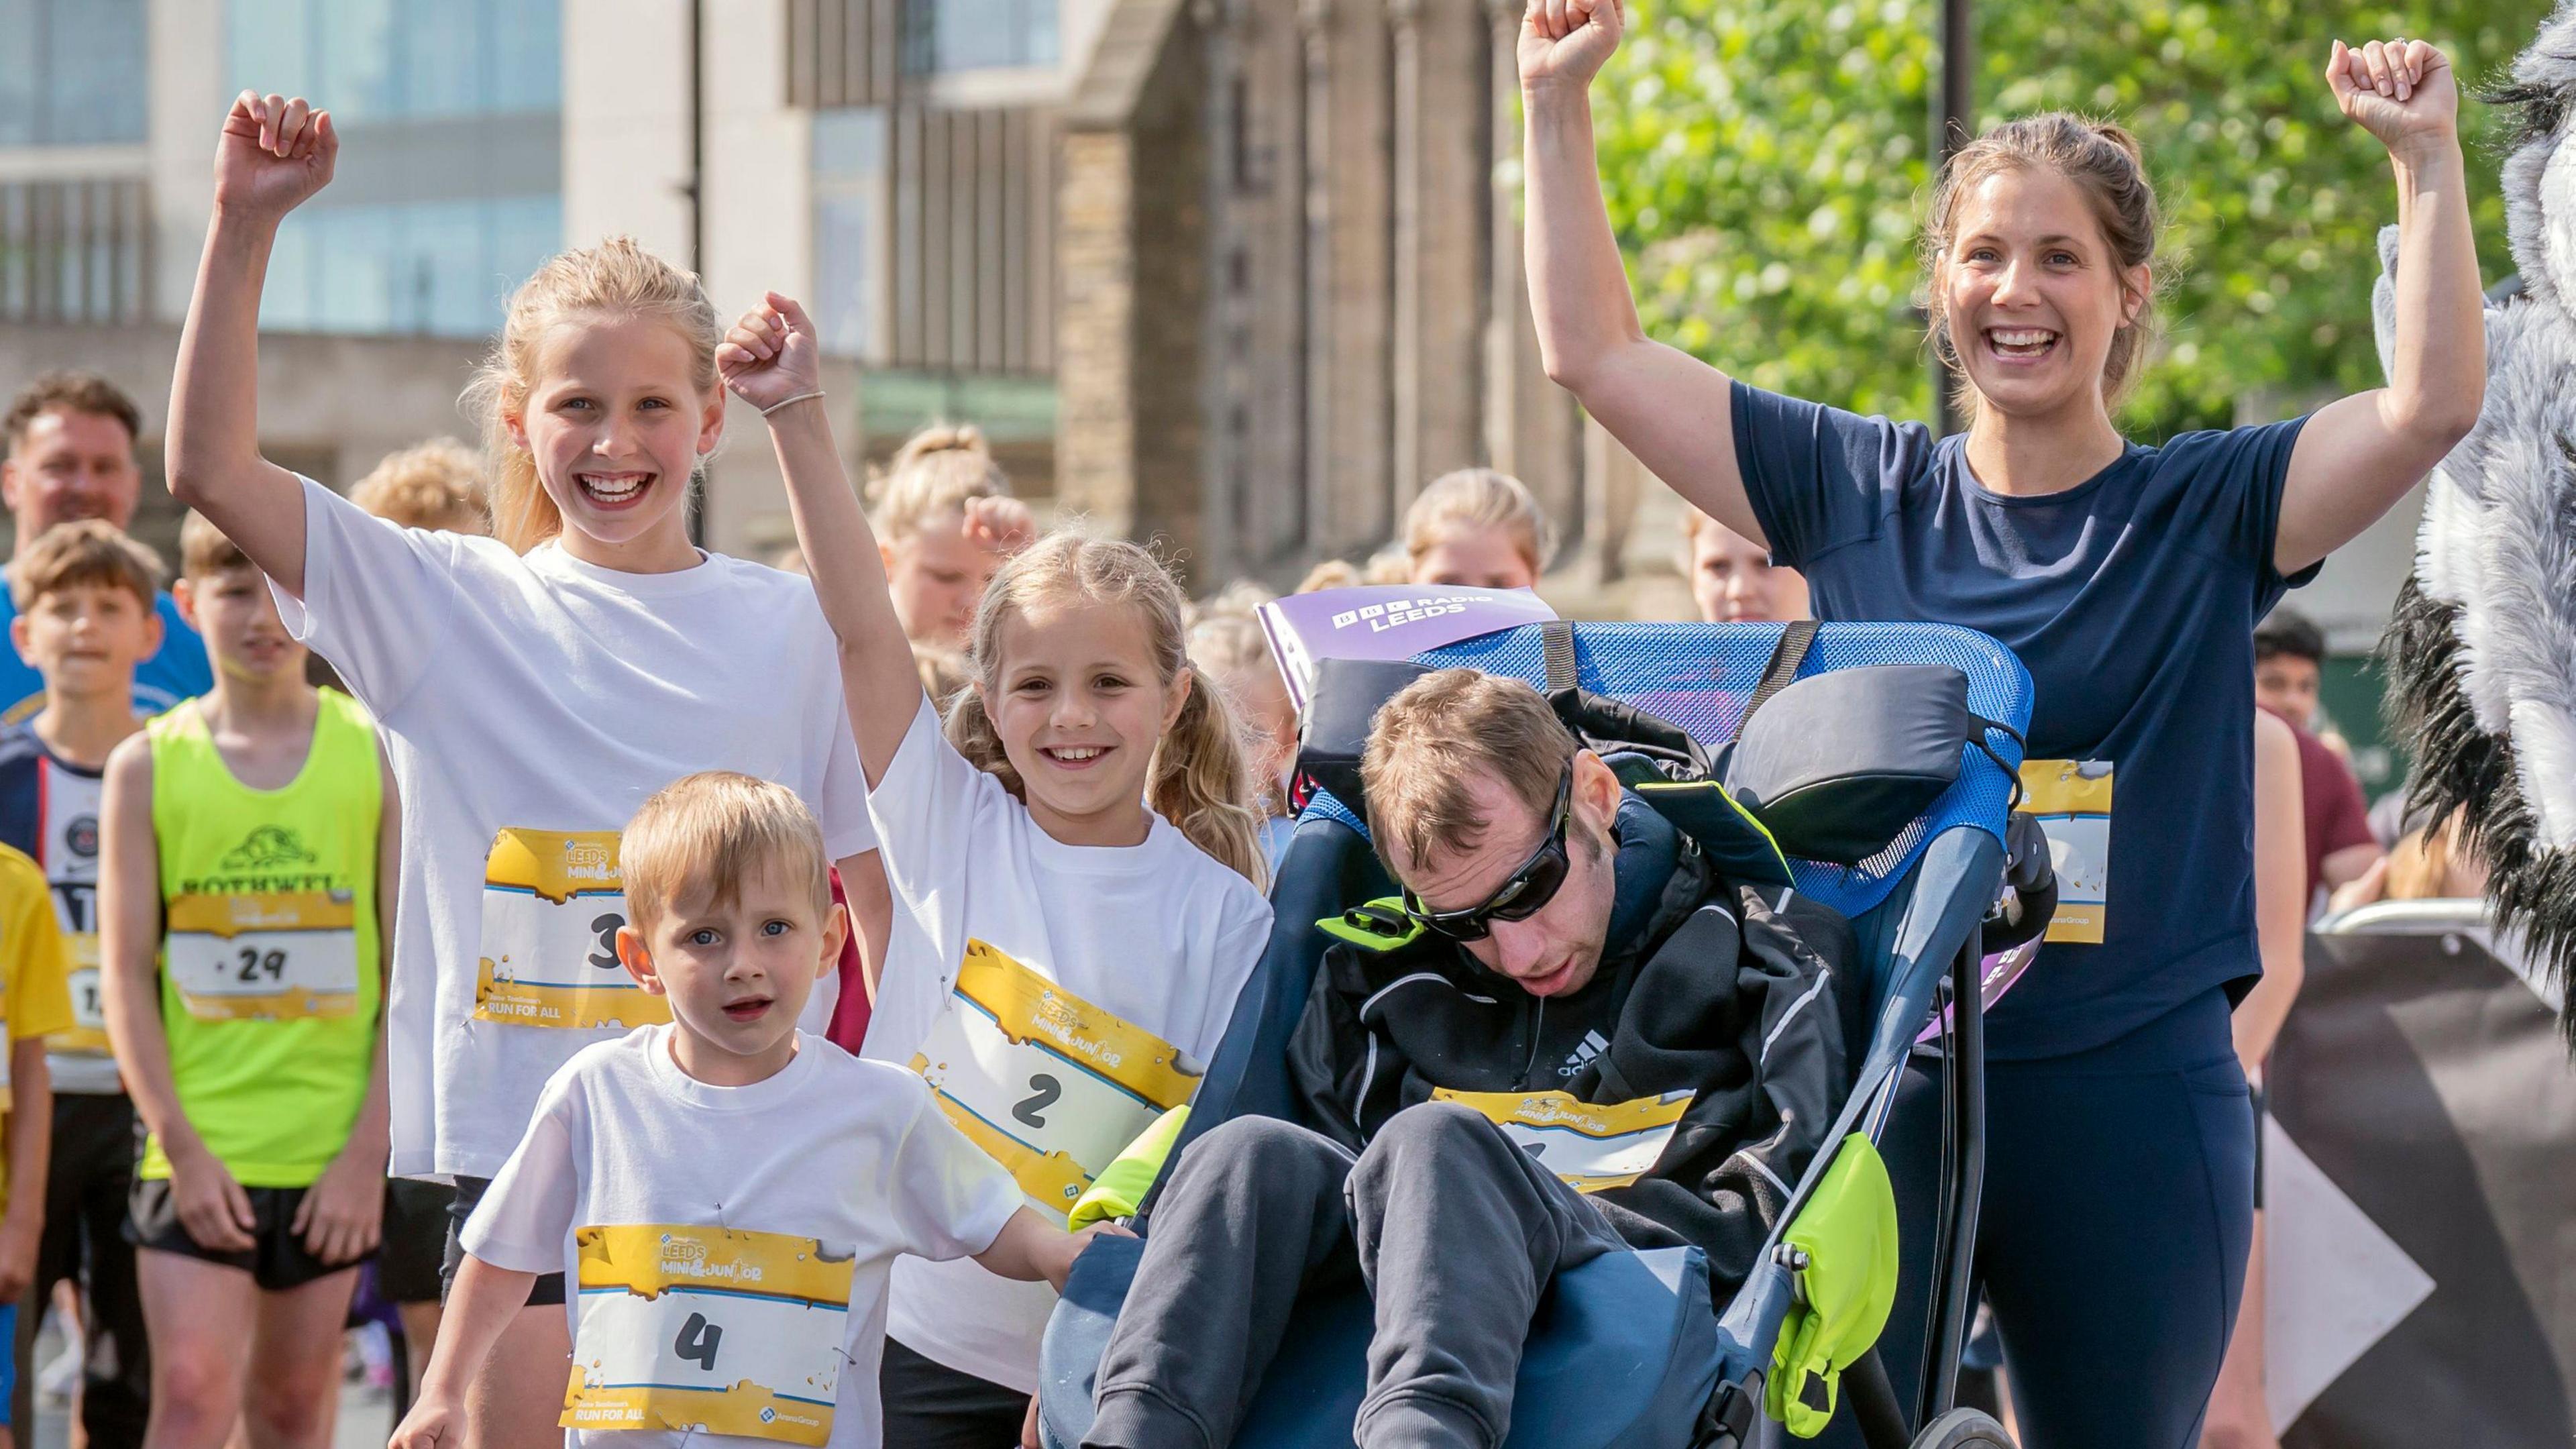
(1121, 1186)
(1380, 925)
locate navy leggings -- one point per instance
(2119, 1203)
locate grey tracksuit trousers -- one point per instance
(1454, 1230)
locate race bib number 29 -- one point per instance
(709, 1329)
(552, 905)
(269, 957)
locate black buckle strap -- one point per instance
(1795, 639)
(1556, 648)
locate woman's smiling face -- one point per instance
(2033, 292)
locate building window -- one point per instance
(450, 190)
(72, 72)
(849, 230)
(953, 35)
(387, 60)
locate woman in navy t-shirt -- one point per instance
(2129, 580)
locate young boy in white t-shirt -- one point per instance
(725, 1193)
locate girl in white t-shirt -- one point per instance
(1079, 849)
(534, 688)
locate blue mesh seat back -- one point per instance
(1700, 676)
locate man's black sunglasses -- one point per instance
(1523, 894)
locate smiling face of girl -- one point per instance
(616, 428)
(1080, 705)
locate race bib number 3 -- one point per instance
(709, 1329)
(2072, 799)
(1590, 1146)
(552, 906)
(1051, 1086)
(264, 956)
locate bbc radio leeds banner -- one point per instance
(2420, 1184)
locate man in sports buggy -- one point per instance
(1569, 1034)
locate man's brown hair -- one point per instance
(1427, 746)
(205, 551)
(88, 551)
(79, 392)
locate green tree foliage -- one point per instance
(1764, 163)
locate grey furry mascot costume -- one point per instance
(2481, 651)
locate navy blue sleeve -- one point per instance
(1819, 477)
(19, 803)
(2234, 495)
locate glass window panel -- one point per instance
(438, 275)
(849, 219)
(94, 72)
(521, 233)
(18, 74)
(353, 290)
(442, 57)
(286, 304)
(270, 46)
(527, 55)
(951, 35)
(358, 78)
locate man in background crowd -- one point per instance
(70, 455)
(2289, 663)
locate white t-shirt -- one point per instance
(731, 1243)
(529, 705)
(1057, 996)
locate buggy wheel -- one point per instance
(1963, 1429)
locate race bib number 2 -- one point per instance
(1048, 1084)
(552, 906)
(2072, 799)
(709, 1329)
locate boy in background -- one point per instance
(86, 618)
(249, 850)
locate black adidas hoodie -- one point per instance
(1717, 990)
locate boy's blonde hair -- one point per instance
(1332, 573)
(932, 476)
(709, 832)
(1480, 498)
(1199, 778)
(87, 551)
(614, 280)
(435, 485)
(1428, 746)
(205, 551)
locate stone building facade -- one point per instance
(1290, 289)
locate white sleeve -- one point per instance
(1239, 948)
(527, 1211)
(928, 805)
(848, 829)
(375, 597)
(949, 1198)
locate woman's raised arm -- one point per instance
(1672, 410)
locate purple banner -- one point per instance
(1386, 621)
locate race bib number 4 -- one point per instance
(552, 906)
(1051, 1086)
(1590, 1146)
(2072, 799)
(264, 956)
(709, 1329)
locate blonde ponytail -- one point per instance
(1200, 777)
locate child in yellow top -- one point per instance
(35, 1003)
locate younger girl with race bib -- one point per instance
(534, 688)
(1078, 847)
